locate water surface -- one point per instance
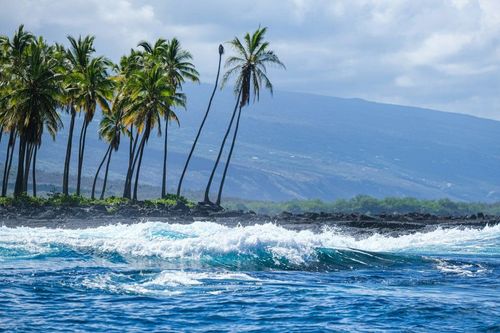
(204, 276)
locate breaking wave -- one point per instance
(261, 246)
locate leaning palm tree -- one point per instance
(151, 96)
(75, 61)
(94, 88)
(179, 187)
(111, 128)
(249, 67)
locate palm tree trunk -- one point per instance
(179, 187)
(18, 188)
(11, 144)
(127, 191)
(164, 178)
(68, 152)
(210, 180)
(226, 167)
(34, 170)
(139, 153)
(97, 172)
(1, 134)
(106, 175)
(81, 151)
(29, 156)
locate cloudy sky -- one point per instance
(442, 54)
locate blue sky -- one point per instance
(431, 53)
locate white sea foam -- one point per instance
(192, 241)
(168, 282)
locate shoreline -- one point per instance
(90, 216)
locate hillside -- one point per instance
(307, 146)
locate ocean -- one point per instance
(203, 276)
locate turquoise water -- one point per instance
(203, 276)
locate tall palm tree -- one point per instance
(75, 60)
(94, 88)
(33, 101)
(111, 128)
(179, 187)
(151, 96)
(13, 55)
(249, 67)
(176, 66)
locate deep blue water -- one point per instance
(208, 277)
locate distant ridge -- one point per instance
(299, 145)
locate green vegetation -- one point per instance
(139, 95)
(58, 199)
(367, 205)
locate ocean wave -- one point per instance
(250, 247)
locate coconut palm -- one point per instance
(249, 67)
(178, 68)
(94, 88)
(32, 105)
(13, 54)
(179, 187)
(111, 128)
(151, 96)
(75, 60)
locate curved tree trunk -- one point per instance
(164, 178)
(18, 188)
(226, 167)
(34, 170)
(210, 180)
(106, 174)
(67, 161)
(127, 191)
(97, 173)
(11, 144)
(81, 151)
(29, 157)
(139, 154)
(179, 187)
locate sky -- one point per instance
(439, 54)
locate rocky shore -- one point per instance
(94, 215)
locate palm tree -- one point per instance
(151, 96)
(75, 60)
(111, 128)
(179, 187)
(94, 88)
(249, 67)
(13, 54)
(33, 102)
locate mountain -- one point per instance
(298, 145)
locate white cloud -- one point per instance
(447, 51)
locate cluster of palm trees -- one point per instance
(139, 95)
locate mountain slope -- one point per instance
(307, 146)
